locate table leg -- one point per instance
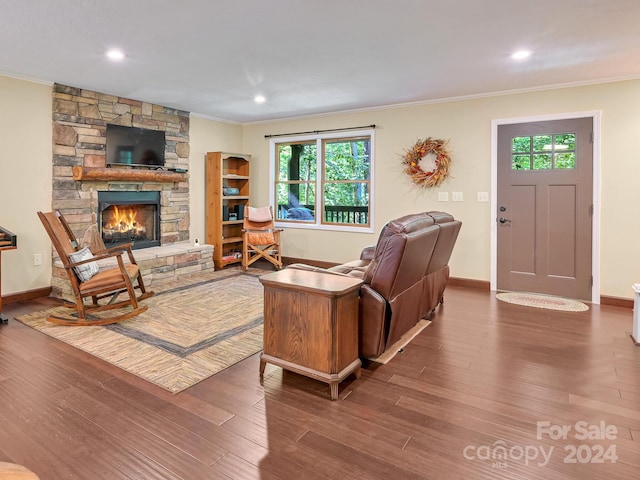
(334, 390)
(3, 319)
(635, 331)
(263, 364)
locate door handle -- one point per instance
(504, 220)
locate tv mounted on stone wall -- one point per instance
(134, 146)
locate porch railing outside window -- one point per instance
(338, 214)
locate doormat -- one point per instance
(542, 301)
(194, 328)
(389, 353)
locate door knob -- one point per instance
(504, 220)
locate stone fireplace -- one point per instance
(80, 119)
(81, 180)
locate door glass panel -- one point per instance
(521, 162)
(542, 161)
(542, 143)
(521, 144)
(565, 160)
(565, 141)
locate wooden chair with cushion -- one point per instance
(88, 280)
(260, 237)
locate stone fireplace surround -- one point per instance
(79, 171)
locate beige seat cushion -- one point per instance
(11, 471)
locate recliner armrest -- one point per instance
(368, 252)
(312, 268)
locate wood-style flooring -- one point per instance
(477, 395)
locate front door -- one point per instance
(544, 200)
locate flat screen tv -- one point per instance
(135, 146)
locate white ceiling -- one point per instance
(211, 57)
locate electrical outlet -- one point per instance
(456, 196)
(483, 196)
(37, 259)
(443, 196)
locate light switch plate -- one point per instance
(457, 196)
(443, 196)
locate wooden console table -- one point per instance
(311, 325)
(8, 241)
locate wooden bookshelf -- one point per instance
(223, 232)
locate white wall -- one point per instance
(467, 124)
(25, 174)
(25, 181)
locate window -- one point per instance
(323, 181)
(544, 152)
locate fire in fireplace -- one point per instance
(129, 217)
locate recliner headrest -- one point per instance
(441, 217)
(410, 223)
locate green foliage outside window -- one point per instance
(346, 168)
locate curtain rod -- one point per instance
(320, 131)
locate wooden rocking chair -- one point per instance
(260, 237)
(88, 280)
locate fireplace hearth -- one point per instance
(129, 217)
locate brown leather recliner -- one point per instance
(404, 276)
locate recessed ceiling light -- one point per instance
(115, 54)
(521, 54)
(259, 99)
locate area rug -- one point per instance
(542, 301)
(194, 328)
(397, 347)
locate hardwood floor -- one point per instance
(464, 400)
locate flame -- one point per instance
(123, 220)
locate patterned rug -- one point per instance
(542, 301)
(195, 327)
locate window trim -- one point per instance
(317, 223)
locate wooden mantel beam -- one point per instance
(127, 175)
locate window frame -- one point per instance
(319, 138)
